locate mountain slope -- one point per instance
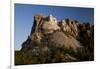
(57, 41)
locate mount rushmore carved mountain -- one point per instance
(52, 41)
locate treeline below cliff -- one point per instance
(54, 56)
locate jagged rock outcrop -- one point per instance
(50, 37)
(49, 24)
(70, 27)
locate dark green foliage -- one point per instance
(54, 55)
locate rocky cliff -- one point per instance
(65, 40)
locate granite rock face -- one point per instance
(48, 35)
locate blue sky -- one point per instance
(24, 14)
